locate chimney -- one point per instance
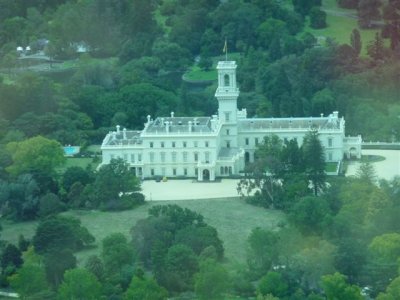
(148, 119)
(335, 114)
(190, 126)
(322, 115)
(118, 127)
(167, 126)
(124, 133)
(172, 114)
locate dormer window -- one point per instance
(226, 80)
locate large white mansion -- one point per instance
(207, 147)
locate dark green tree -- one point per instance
(263, 251)
(95, 266)
(368, 12)
(314, 160)
(50, 204)
(317, 18)
(112, 181)
(273, 284)
(29, 281)
(181, 264)
(60, 233)
(376, 49)
(304, 7)
(336, 287)
(142, 288)
(199, 238)
(212, 281)
(56, 263)
(75, 174)
(310, 214)
(116, 253)
(11, 257)
(355, 41)
(79, 284)
(391, 16)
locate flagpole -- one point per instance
(226, 49)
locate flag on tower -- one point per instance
(225, 50)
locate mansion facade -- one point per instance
(220, 145)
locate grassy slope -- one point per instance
(233, 218)
(340, 27)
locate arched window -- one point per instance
(230, 170)
(226, 170)
(222, 170)
(226, 80)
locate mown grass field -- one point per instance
(233, 218)
(341, 23)
(82, 162)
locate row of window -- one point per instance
(247, 141)
(256, 141)
(175, 172)
(184, 144)
(175, 154)
(133, 157)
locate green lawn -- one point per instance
(93, 148)
(340, 27)
(233, 218)
(82, 162)
(331, 167)
(197, 74)
(341, 24)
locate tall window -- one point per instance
(151, 156)
(151, 144)
(184, 144)
(226, 80)
(196, 156)
(227, 132)
(139, 158)
(227, 116)
(246, 141)
(163, 171)
(330, 142)
(133, 158)
(152, 172)
(195, 144)
(162, 154)
(206, 144)
(228, 144)
(207, 156)
(173, 144)
(174, 171)
(185, 156)
(173, 156)
(185, 171)
(256, 141)
(125, 157)
(162, 144)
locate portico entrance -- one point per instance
(206, 175)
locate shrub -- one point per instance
(317, 18)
